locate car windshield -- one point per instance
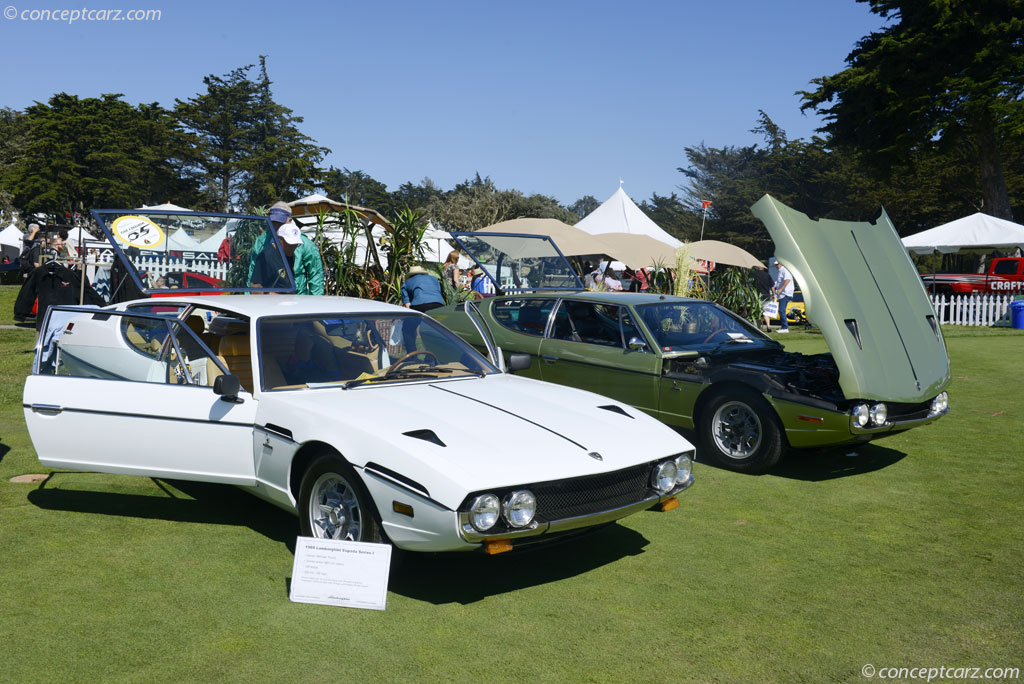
(169, 250)
(520, 262)
(352, 350)
(697, 325)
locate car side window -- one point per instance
(588, 322)
(116, 346)
(527, 316)
(1006, 267)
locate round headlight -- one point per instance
(484, 512)
(879, 413)
(860, 415)
(684, 466)
(519, 507)
(945, 401)
(664, 476)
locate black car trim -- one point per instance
(426, 436)
(515, 415)
(399, 480)
(277, 430)
(804, 400)
(150, 416)
(562, 359)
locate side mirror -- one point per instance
(227, 387)
(518, 362)
(636, 344)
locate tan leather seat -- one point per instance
(235, 353)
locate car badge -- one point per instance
(596, 456)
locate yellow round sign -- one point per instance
(137, 231)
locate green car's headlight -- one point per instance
(879, 412)
(860, 415)
(484, 512)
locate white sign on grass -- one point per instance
(341, 573)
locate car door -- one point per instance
(519, 326)
(132, 393)
(588, 346)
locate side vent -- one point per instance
(426, 436)
(935, 326)
(616, 409)
(851, 323)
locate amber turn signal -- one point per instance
(669, 504)
(403, 508)
(495, 546)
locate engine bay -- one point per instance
(814, 375)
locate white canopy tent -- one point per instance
(976, 230)
(166, 206)
(11, 241)
(619, 214)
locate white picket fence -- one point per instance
(972, 309)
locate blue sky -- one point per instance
(561, 98)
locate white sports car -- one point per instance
(371, 421)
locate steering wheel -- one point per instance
(415, 352)
(708, 338)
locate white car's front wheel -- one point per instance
(333, 504)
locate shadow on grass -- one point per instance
(817, 465)
(469, 577)
(214, 504)
(3, 451)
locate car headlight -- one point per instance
(484, 512)
(684, 466)
(519, 507)
(940, 403)
(860, 415)
(663, 478)
(879, 412)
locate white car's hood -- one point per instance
(497, 431)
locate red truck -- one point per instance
(1004, 275)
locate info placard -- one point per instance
(341, 573)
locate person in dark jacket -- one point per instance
(52, 284)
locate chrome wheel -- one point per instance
(334, 511)
(736, 429)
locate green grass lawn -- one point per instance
(906, 555)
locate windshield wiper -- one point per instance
(403, 373)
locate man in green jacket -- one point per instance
(266, 269)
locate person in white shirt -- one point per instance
(783, 289)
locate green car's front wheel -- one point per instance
(740, 430)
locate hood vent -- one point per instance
(426, 436)
(851, 323)
(616, 409)
(935, 326)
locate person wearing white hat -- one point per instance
(783, 289)
(266, 270)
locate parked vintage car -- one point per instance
(371, 421)
(695, 365)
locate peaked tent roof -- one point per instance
(976, 230)
(11, 236)
(619, 214)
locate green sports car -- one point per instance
(696, 365)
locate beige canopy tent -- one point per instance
(639, 251)
(571, 241)
(723, 253)
(319, 204)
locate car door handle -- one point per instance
(48, 409)
(548, 358)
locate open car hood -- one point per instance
(865, 295)
(190, 252)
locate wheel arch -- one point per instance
(302, 460)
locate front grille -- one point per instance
(899, 411)
(591, 494)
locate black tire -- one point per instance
(741, 431)
(334, 504)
